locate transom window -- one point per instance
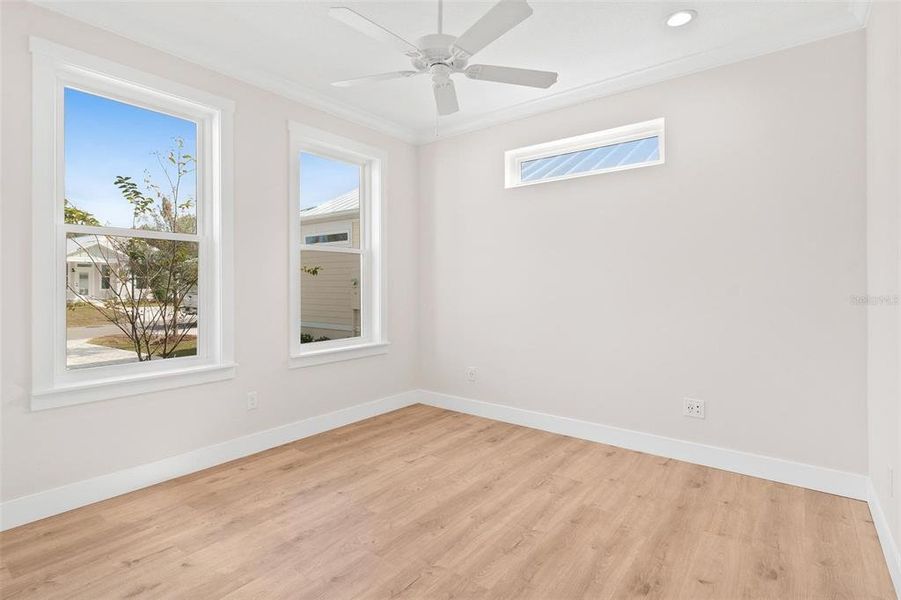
(129, 290)
(629, 147)
(336, 260)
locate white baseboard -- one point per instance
(842, 483)
(851, 485)
(50, 502)
(886, 539)
(26, 509)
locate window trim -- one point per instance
(54, 68)
(513, 159)
(373, 308)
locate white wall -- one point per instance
(725, 274)
(883, 247)
(46, 449)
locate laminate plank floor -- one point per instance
(428, 503)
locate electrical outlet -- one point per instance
(691, 407)
(472, 373)
(253, 401)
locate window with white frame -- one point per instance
(132, 231)
(628, 147)
(336, 261)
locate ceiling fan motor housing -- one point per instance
(436, 51)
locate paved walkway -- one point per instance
(79, 354)
(86, 333)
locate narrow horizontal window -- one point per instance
(594, 159)
(326, 238)
(605, 151)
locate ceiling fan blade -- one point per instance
(445, 97)
(501, 18)
(379, 77)
(529, 77)
(372, 29)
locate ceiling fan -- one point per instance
(441, 55)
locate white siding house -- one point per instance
(330, 299)
(88, 276)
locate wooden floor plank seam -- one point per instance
(423, 502)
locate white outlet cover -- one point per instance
(692, 407)
(472, 373)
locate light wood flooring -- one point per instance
(427, 503)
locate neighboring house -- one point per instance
(91, 267)
(330, 300)
(87, 273)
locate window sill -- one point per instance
(330, 355)
(107, 389)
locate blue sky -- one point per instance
(322, 179)
(105, 138)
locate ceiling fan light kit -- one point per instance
(441, 55)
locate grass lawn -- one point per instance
(84, 315)
(187, 347)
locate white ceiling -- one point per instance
(598, 48)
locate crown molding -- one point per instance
(266, 81)
(730, 53)
(688, 65)
(304, 95)
(860, 9)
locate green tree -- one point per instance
(149, 280)
(76, 216)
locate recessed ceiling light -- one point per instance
(681, 17)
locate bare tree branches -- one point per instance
(146, 281)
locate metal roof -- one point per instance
(343, 203)
(89, 245)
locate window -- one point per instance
(336, 264)
(135, 204)
(629, 147)
(328, 238)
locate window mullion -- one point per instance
(326, 248)
(126, 232)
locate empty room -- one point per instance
(430, 299)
